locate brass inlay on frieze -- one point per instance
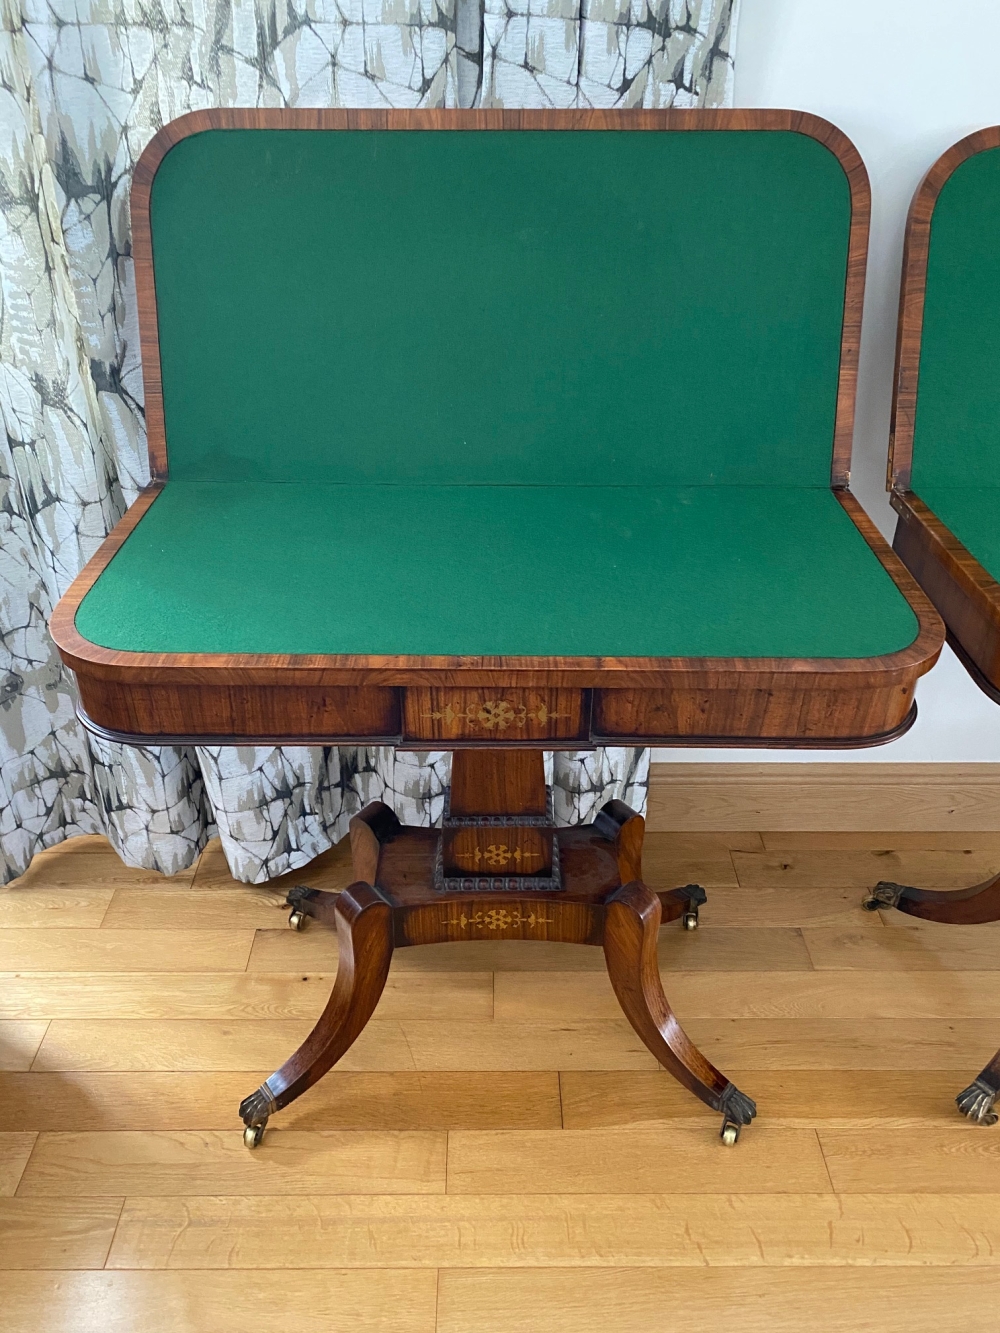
(498, 918)
(494, 714)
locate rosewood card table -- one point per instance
(944, 470)
(498, 432)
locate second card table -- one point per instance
(945, 464)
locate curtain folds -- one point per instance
(83, 86)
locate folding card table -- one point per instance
(944, 467)
(498, 432)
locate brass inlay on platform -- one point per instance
(499, 918)
(494, 714)
(496, 855)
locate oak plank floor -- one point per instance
(164, 1100)
(525, 997)
(15, 1149)
(19, 1042)
(778, 1300)
(57, 1233)
(230, 995)
(396, 1300)
(553, 1230)
(498, 1152)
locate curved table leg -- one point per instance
(364, 933)
(974, 906)
(632, 920)
(958, 907)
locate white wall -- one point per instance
(904, 79)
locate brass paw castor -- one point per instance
(690, 919)
(978, 1100)
(729, 1133)
(253, 1135)
(297, 920)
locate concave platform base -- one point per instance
(601, 900)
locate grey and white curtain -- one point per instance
(83, 86)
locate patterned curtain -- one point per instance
(83, 87)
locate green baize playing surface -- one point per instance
(499, 393)
(956, 442)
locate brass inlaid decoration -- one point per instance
(499, 918)
(497, 855)
(497, 858)
(494, 714)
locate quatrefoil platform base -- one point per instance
(497, 870)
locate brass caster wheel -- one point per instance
(690, 919)
(252, 1135)
(730, 1133)
(297, 920)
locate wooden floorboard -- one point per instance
(400, 1099)
(321, 1301)
(713, 948)
(385, 1044)
(19, 1042)
(759, 903)
(73, 950)
(250, 906)
(877, 1099)
(754, 1300)
(216, 1162)
(857, 1043)
(551, 1231)
(41, 906)
(724, 794)
(231, 995)
(942, 1157)
(57, 1233)
(15, 1149)
(829, 872)
(499, 1152)
(631, 1161)
(525, 997)
(924, 839)
(917, 946)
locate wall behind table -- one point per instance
(904, 79)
